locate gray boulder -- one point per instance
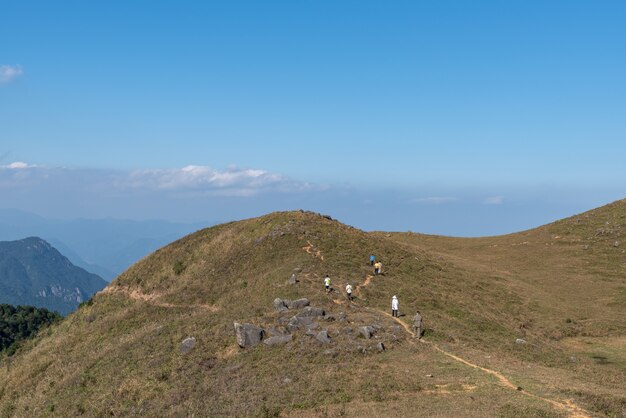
(280, 305)
(367, 331)
(293, 279)
(298, 303)
(277, 330)
(323, 337)
(296, 323)
(278, 340)
(248, 335)
(187, 345)
(310, 311)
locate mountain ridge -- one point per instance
(476, 308)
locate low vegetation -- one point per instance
(499, 313)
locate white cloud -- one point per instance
(187, 181)
(9, 73)
(494, 200)
(435, 200)
(17, 165)
(193, 177)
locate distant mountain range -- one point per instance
(32, 272)
(106, 247)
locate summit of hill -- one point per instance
(505, 327)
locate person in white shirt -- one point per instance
(349, 291)
(394, 306)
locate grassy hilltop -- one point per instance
(560, 288)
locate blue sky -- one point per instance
(455, 117)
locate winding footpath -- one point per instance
(567, 406)
(152, 298)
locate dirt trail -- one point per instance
(136, 294)
(310, 248)
(368, 280)
(568, 406)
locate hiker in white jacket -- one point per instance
(394, 306)
(349, 291)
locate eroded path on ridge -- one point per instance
(153, 298)
(310, 248)
(567, 406)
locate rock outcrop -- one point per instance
(248, 335)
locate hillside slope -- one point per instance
(122, 354)
(32, 272)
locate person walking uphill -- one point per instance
(327, 283)
(378, 268)
(372, 258)
(349, 291)
(394, 306)
(417, 325)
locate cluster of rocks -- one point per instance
(297, 316)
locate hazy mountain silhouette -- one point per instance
(102, 246)
(32, 272)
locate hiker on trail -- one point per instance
(349, 291)
(417, 325)
(372, 258)
(327, 283)
(394, 306)
(378, 268)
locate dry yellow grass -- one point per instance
(120, 356)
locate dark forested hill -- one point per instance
(21, 322)
(32, 272)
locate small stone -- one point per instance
(616, 244)
(248, 335)
(310, 311)
(520, 341)
(429, 375)
(323, 337)
(187, 345)
(295, 323)
(280, 305)
(293, 279)
(380, 346)
(278, 340)
(366, 331)
(298, 303)
(287, 380)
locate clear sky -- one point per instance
(456, 117)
